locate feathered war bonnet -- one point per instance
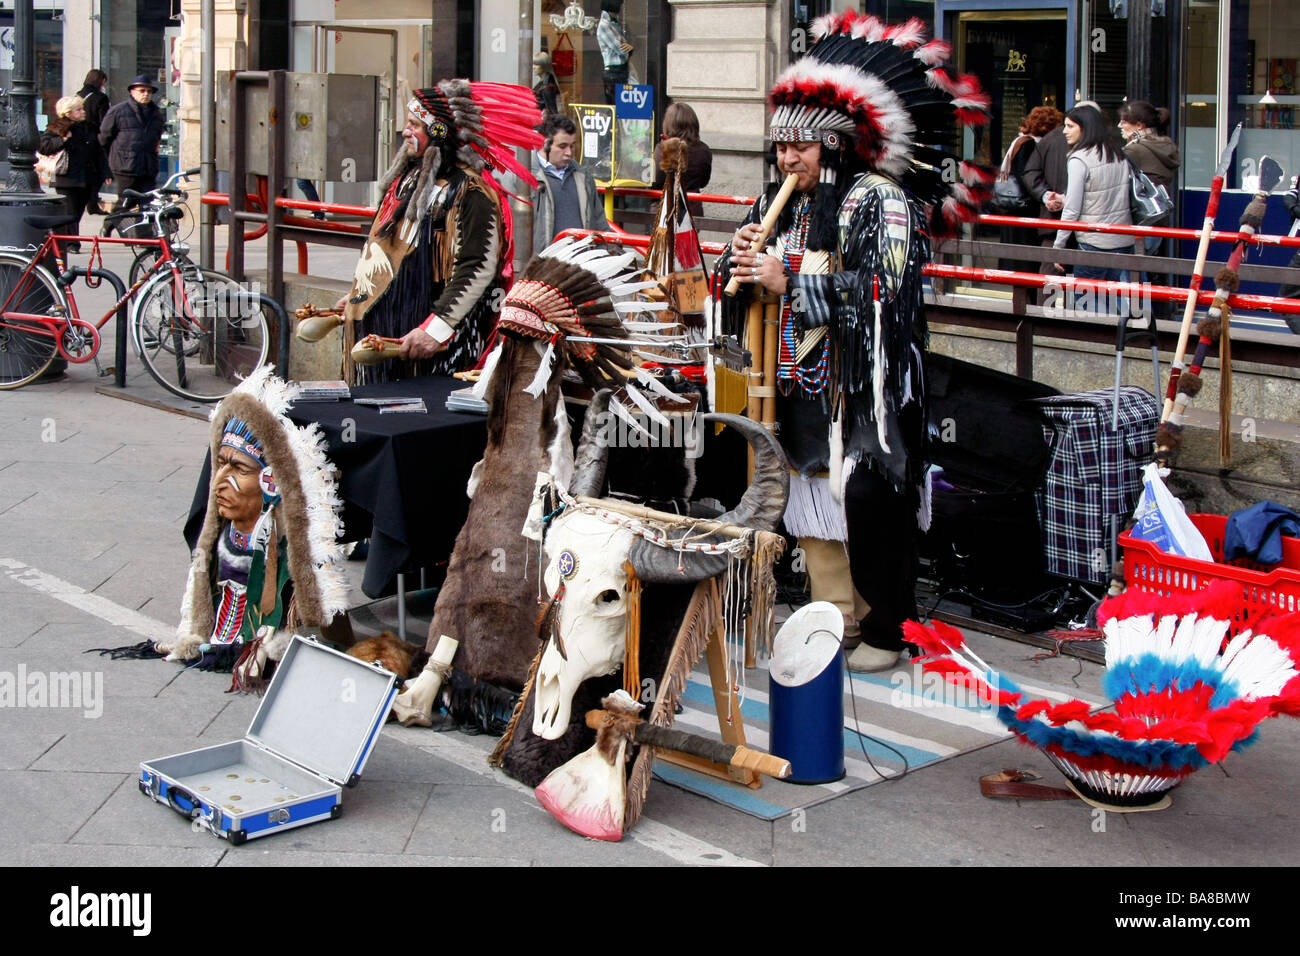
(883, 96)
(579, 289)
(482, 122)
(306, 513)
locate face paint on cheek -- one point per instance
(233, 483)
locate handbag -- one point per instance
(1148, 203)
(562, 57)
(47, 167)
(1009, 197)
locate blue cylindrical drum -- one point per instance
(806, 694)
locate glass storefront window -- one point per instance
(48, 42)
(1267, 98)
(581, 62)
(595, 48)
(1200, 101)
(1017, 56)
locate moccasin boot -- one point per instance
(866, 659)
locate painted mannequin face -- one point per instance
(415, 134)
(802, 159)
(239, 496)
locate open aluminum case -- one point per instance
(310, 737)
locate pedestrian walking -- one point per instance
(70, 135)
(1099, 190)
(93, 94)
(131, 132)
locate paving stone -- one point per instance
(467, 821)
(259, 853)
(18, 752)
(89, 855)
(108, 753)
(44, 807)
(399, 762)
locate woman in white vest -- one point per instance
(1099, 190)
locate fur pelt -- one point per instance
(390, 652)
(489, 599)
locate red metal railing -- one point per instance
(934, 270)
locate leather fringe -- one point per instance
(1225, 394)
(497, 756)
(632, 649)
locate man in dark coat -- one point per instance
(131, 132)
(95, 101)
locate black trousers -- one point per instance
(77, 198)
(882, 555)
(614, 75)
(121, 181)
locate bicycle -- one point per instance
(196, 330)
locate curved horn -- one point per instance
(593, 454)
(763, 503)
(760, 507)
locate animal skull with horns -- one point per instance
(586, 559)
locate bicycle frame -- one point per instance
(52, 326)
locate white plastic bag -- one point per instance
(1161, 519)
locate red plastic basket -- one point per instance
(1266, 590)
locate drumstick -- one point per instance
(768, 224)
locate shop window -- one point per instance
(1268, 100)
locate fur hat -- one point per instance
(885, 96)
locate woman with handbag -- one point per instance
(1099, 190)
(1011, 196)
(1146, 143)
(79, 170)
(1152, 151)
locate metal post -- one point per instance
(275, 182)
(1138, 78)
(22, 195)
(208, 130)
(238, 201)
(523, 212)
(22, 104)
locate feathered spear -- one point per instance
(1215, 327)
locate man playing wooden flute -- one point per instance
(867, 122)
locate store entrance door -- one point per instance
(1020, 57)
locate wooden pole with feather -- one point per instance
(659, 254)
(1198, 276)
(1215, 328)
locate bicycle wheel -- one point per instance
(26, 347)
(142, 263)
(199, 337)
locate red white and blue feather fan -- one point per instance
(1185, 693)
